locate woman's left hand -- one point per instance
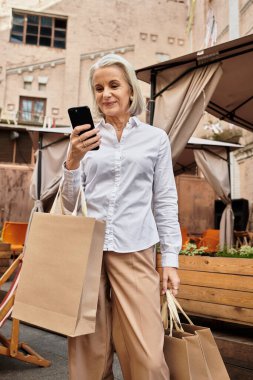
(170, 274)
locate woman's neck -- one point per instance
(118, 122)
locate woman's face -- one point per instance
(112, 92)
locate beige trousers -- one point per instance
(128, 318)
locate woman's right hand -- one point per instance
(81, 144)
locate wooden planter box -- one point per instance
(216, 287)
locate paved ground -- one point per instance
(48, 345)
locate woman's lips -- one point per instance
(109, 104)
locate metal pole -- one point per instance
(229, 173)
(152, 97)
(39, 174)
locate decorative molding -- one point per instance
(10, 107)
(244, 153)
(35, 66)
(28, 79)
(154, 37)
(180, 41)
(100, 53)
(42, 80)
(55, 111)
(143, 36)
(54, 62)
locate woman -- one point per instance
(125, 179)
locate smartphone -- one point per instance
(80, 116)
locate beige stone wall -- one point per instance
(143, 31)
(15, 201)
(155, 30)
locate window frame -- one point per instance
(33, 100)
(23, 35)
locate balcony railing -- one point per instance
(28, 118)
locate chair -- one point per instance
(14, 233)
(210, 239)
(243, 238)
(11, 347)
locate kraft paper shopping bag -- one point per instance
(60, 276)
(184, 357)
(212, 354)
(209, 355)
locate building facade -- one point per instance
(47, 47)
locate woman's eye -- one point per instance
(98, 89)
(114, 85)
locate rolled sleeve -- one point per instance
(165, 203)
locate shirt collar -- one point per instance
(132, 122)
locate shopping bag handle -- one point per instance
(164, 313)
(168, 305)
(174, 306)
(58, 204)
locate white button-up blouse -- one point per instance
(130, 184)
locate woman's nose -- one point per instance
(107, 93)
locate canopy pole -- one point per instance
(152, 96)
(39, 164)
(229, 173)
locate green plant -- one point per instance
(244, 251)
(191, 249)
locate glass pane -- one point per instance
(32, 19)
(26, 110)
(45, 31)
(23, 149)
(60, 23)
(38, 110)
(46, 21)
(18, 19)
(31, 40)
(59, 44)
(17, 28)
(32, 29)
(16, 38)
(45, 41)
(60, 33)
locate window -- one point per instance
(32, 110)
(28, 79)
(42, 86)
(38, 30)
(16, 147)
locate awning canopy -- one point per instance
(232, 99)
(186, 162)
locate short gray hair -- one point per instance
(137, 104)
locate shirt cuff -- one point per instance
(71, 172)
(170, 260)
